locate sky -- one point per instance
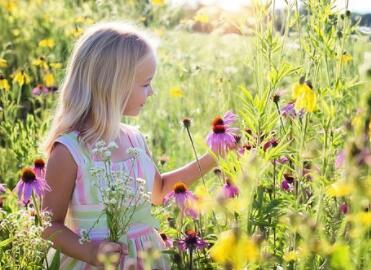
(361, 6)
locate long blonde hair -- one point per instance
(98, 82)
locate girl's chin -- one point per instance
(133, 113)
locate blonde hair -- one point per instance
(98, 82)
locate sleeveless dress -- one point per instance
(85, 205)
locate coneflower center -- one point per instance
(180, 188)
(191, 239)
(39, 163)
(218, 125)
(28, 176)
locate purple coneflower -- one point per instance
(344, 208)
(184, 198)
(40, 89)
(168, 241)
(288, 110)
(39, 168)
(281, 160)
(287, 183)
(222, 138)
(230, 190)
(191, 241)
(270, 143)
(29, 183)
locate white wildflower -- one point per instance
(112, 145)
(133, 152)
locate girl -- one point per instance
(108, 76)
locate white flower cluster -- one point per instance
(104, 151)
(120, 193)
(133, 152)
(84, 237)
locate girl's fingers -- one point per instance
(124, 249)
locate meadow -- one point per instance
(296, 192)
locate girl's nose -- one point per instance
(150, 91)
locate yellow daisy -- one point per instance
(4, 83)
(49, 79)
(21, 77)
(158, 2)
(3, 63)
(234, 248)
(47, 43)
(305, 97)
(202, 18)
(176, 92)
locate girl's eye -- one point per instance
(146, 85)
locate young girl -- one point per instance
(108, 76)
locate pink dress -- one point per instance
(85, 205)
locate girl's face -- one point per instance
(142, 85)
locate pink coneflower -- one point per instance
(191, 241)
(40, 89)
(184, 198)
(340, 159)
(230, 190)
(39, 168)
(168, 241)
(222, 137)
(2, 188)
(29, 183)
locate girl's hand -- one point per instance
(106, 249)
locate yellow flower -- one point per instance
(84, 20)
(339, 189)
(235, 205)
(4, 83)
(234, 248)
(158, 2)
(3, 63)
(50, 43)
(202, 18)
(9, 5)
(345, 58)
(49, 79)
(21, 78)
(16, 32)
(363, 218)
(204, 203)
(176, 92)
(305, 97)
(56, 65)
(75, 32)
(40, 62)
(291, 255)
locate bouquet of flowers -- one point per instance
(121, 194)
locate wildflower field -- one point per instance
(294, 190)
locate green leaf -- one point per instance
(56, 261)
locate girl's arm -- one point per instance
(61, 173)
(187, 174)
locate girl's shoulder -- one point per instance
(70, 141)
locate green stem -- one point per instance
(194, 151)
